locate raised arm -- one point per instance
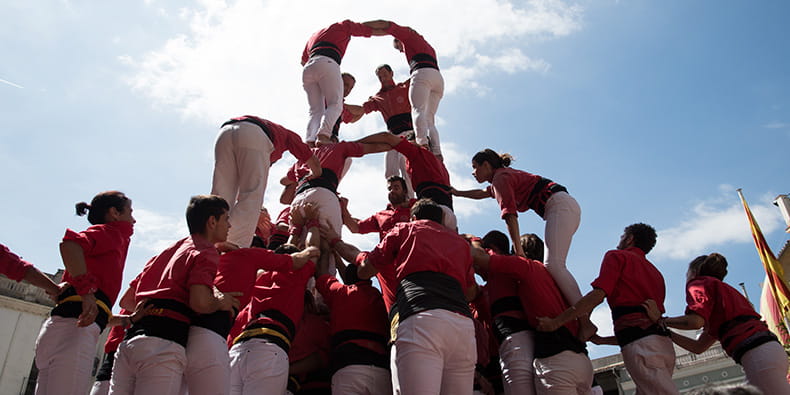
(381, 138)
(583, 307)
(697, 346)
(471, 194)
(315, 168)
(379, 27)
(351, 223)
(356, 112)
(511, 220)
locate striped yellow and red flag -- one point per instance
(775, 276)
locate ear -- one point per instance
(211, 222)
(112, 214)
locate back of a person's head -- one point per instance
(493, 158)
(201, 208)
(712, 265)
(427, 209)
(286, 249)
(532, 245)
(644, 236)
(497, 242)
(398, 179)
(100, 205)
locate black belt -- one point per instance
(752, 342)
(619, 311)
(438, 193)
(220, 322)
(635, 333)
(400, 123)
(169, 320)
(325, 48)
(328, 180)
(252, 121)
(422, 61)
(70, 306)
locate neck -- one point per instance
(387, 85)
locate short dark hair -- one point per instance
(100, 205)
(384, 66)
(201, 208)
(348, 75)
(427, 209)
(532, 246)
(644, 236)
(713, 265)
(498, 241)
(398, 179)
(286, 249)
(494, 159)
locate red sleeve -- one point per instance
(370, 106)
(268, 260)
(368, 225)
(406, 148)
(305, 54)
(93, 241)
(504, 194)
(329, 287)
(203, 270)
(11, 265)
(699, 299)
(346, 115)
(507, 265)
(400, 32)
(357, 29)
(611, 267)
(353, 150)
(386, 251)
(295, 145)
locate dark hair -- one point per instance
(348, 75)
(349, 275)
(398, 179)
(100, 205)
(713, 265)
(384, 66)
(532, 246)
(644, 236)
(427, 209)
(201, 208)
(286, 249)
(732, 389)
(497, 241)
(495, 160)
(257, 242)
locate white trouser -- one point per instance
(208, 363)
(101, 388)
(395, 165)
(425, 92)
(146, 365)
(258, 367)
(766, 368)
(242, 156)
(362, 380)
(328, 206)
(564, 373)
(449, 220)
(650, 362)
(64, 356)
(562, 215)
(323, 84)
(435, 354)
(515, 357)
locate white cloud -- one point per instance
(776, 125)
(602, 318)
(715, 222)
(243, 57)
(154, 232)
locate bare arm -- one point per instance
(41, 280)
(127, 300)
(366, 270)
(471, 194)
(351, 223)
(74, 260)
(206, 300)
(372, 148)
(356, 112)
(696, 346)
(381, 138)
(289, 191)
(511, 220)
(583, 307)
(379, 26)
(315, 168)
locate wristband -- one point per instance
(84, 284)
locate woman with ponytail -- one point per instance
(94, 261)
(519, 191)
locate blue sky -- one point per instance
(647, 111)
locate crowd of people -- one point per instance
(247, 305)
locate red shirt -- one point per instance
(422, 165)
(238, 269)
(10, 264)
(354, 307)
(389, 102)
(413, 42)
(104, 247)
(311, 337)
(169, 275)
(502, 286)
(424, 245)
(385, 220)
(338, 34)
(512, 189)
(537, 290)
(282, 291)
(116, 335)
(331, 156)
(718, 302)
(628, 279)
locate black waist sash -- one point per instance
(427, 290)
(505, 326)
(541, 193)
(752, 342)
(422, 61)
(325, 48)
(729, 325)
(169, 320)
(252, 120)
(400, 123)
(345, 353)
(619, 311)
(280, 332)
(548, 344)
(438, 193)
(105, 371)
(328, 180)
(70, 306)
(219, 321)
